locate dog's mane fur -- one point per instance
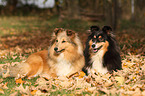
(73, 56)
(111, 58)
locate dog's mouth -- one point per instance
(95, 50)
(59, 51)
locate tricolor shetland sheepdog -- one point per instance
(102, 53)
(63, 58)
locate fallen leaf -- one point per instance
(66, 84)
(4, 75)
(41, 82)
(14, 94)
(2, 91)
(23, 90)
(91, 89)
(33, 92)
(120, 80)
(19, 81)
(5, 86)
(81, 74)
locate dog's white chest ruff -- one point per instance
(97, 63)
(63, 67)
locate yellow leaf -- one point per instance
(2, 91)
(120, 80)
(133, 77)
(19, 81)
(137, 72)
(82, 74)
(33, 92)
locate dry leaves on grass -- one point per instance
(128, 81)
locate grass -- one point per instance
(17, 25)
(32, 25)
(133, 28)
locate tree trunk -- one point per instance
(11, 6)
(73, 9)
(111, 12)
(132, 10)
(108, 12)
(115, 14)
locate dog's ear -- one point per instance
(70, 33)
(57, 30)
(54, 34)
(107, 29)
(94, 28)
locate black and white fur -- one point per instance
(102, 54)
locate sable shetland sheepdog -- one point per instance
(63, 57)
(101, 53)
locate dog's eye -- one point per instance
(101, 39)
(56, 41)
(63, 41)
(93, 40)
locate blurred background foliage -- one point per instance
(108, 11)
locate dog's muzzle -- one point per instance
(95, 50)
(57, 51)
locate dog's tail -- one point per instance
(19, 70)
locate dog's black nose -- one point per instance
(93, 45)
(55, 48)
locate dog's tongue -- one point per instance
(95, 50)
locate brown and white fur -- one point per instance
(63, 57)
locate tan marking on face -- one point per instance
(105, 46)
(100, 37)
(94, 36)
(90, 43)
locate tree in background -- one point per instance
(11, 5)
(110, 11)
